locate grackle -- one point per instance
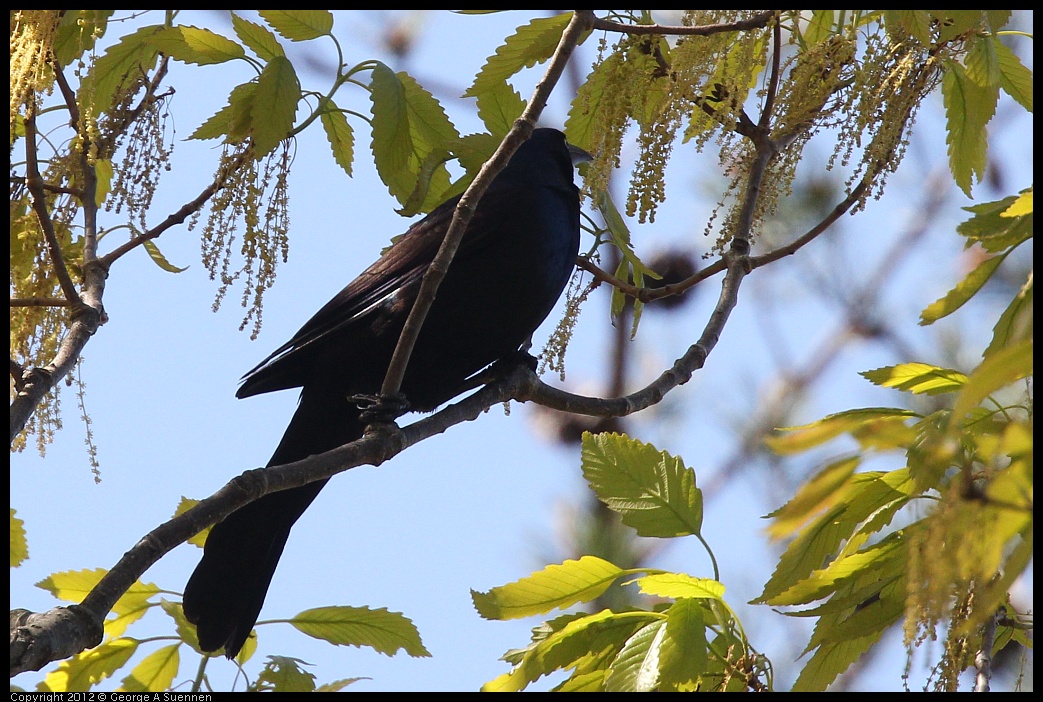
(514, 260)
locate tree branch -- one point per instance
(755, 22)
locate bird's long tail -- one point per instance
(224, 596)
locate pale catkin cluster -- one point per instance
(553, 356)
(32, 42)
(257, 197)
(146, 155)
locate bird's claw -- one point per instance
(381, 409)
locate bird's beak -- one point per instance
(578, 155)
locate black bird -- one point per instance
(513, 262)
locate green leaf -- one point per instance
(530, 44)
(1000, 369)
(299, 25)
(680, 585)
(565, 642)
(636, 668)
(19, 544)
(275, 105)
(88, 668)
(917, 378)
(817, 493)
(285, 674)
(829, 661)
(185, 504)
(993, 229)
(582, 116)
(651, 490)
(498, 107)
(384, 631)
(340, 135)
(77, 32)
(554, 587)
(1015, 78)
(982, 61)
(73, 586)
(103, 172)
(964, 291)
(392, 140)
(259, 40)
(1015, 324)
(798, 439)
(968, 109)
(159, 259)
(232, 120)
(195, 45)
(155, 672)
(133, 55)
(684, 653)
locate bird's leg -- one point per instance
(380, 409)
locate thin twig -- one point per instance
(759, 20)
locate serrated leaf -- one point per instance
(554, 587)
(159, 259)
(651, 490)
(680, 585)
(982, 61)
(195, 45)
(578, 638)
(968, 109)
(1016, 322)
(993, 229)
(340, 136)
(88, 668)
(384, 631)
(829, 661)
(232, 120)
(19, 544)
(817, 493)
(1015, 78)
(155, 672)
(392, 141)
(185, 504)
(964, 291)
(77, 32)
(636, 668)
(73, 586)
(684, 652)
(132, 55)
(257, 38)
(798, 439)
(1021, 207)
(498, 107)
(299, 25)
(285, 674)
(582, 116)
(917, 378)
(531, 43)
(1000, 369)
(275, 105)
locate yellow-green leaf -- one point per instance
(684, 653)
(652, 491)
(968, 109)
(1016, 322)
(384, 631)
(275, 105)
(159, 259)
(183, 506)
(1015, 78)
(88, 668)
(340, 136)
(554, 587)
(155, 672)
(299, 25)
(261, 41)
(964, 291)
(1000, 369)
(1022, 205)
(636, 667)
(19, 544)
(797, 439)
(917, 378)
(498, 107)
(816, 494)
(679, 585)
(195, 45)
(530, 44)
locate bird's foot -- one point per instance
(381, 409)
